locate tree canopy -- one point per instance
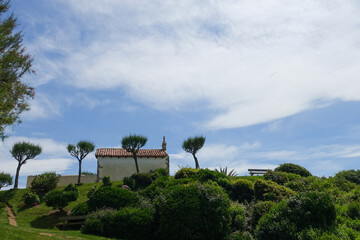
(5, 179)
(80, 151)
(22, 152)
(133, 143)
(14, 63)
(193, 145)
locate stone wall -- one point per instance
(67, 179)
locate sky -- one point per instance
(266, 82)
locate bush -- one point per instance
(80, 209)
(58, 199)
(280, 177)
(226, 184)
(349, 175)
(268, 190)
(354, 210)
(5, 179)
(240, 235)
(155, 187)
(287, 218)
(128, 181)
(101, 223)
(135, 223)
(91, 191)
(237, 214)
(71, 187)
(44, 183)
(204, 175)
(31, 199)
(186, 173)
(258, 210)
(243, 190)
(193, 211)
(106, 181)
(160, 172)
(142, 180)
(112, 197)
(293, 168)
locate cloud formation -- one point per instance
(245, 62)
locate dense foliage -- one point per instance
(112, 197)
(293, 168)
(44, 183)
(203, 209)
(31, 199)
(5, 179)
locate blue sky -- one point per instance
(265, 82)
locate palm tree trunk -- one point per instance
(197, 166)
(79, 177)
(17, 176)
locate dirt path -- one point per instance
(12, 219)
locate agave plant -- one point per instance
(232, 173)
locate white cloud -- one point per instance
(42, 106)
(251, 62)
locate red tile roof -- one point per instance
(120, 152)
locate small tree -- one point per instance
(22, 152)
(5, 179)
(133, 143)
(192, 145)
(80, 151)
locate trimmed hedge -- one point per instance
(281, 177)
(59, 199)
(31, 198)
(186, 173)
(80, 209)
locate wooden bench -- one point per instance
(64, 222)
(257, 171)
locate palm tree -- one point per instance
(22, 152)
(133, 143)
(80, 151)
(192, 145)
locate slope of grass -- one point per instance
(37, 222)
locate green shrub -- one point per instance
(80, 209)
(226, 184)
(106, 181)
(258, 210)
(5, 179)
(91, 191)
(135, 223)
(354, 210)
(268, 190)
(112, 197)
(160, 172)
(293, 168)
(58, 199)
(101, 222)
(204, 175)
(193, 211)
(142, 180)
(186, 173)
(72, 192)
(280, 177)
(243, 190)
(71, 187)
(349, 175)
(302, 211)
(128, 181)
(237, 214)
(155, 187)
(297, 186)
(44, 183)
(31, 199)
(240, 235)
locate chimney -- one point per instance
(164, 144)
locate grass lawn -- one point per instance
(37, 222)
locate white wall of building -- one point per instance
(118, 168)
